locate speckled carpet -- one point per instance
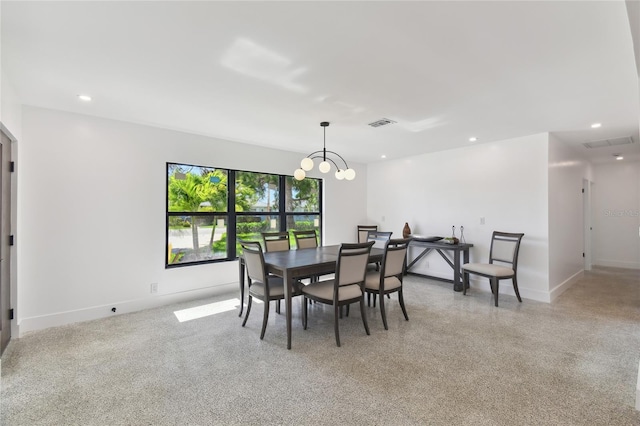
(458, 361)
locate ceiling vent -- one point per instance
(609, 142)
(381, 122)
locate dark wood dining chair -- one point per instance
(363, 231)
(262, 286)
(388, 279)
(347, 287)
(276, 241)
(305, 239)
(504, 250)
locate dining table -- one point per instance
(294, 265)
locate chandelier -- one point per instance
(307, 163)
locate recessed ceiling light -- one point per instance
(383, 156)
(85, 98)
(596, 125)
(473, 139)
(618, 157)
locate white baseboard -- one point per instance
(566, 285)
(103, 311)
(616, 264)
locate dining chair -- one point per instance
(262, 286)
(363, 231)
(305, 239)
(276, 241)
(379, 239)
(347, 287)
(389, 278)
(504, 249)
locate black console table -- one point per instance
(453, 259)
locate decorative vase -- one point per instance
(406, 231)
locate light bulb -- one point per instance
(299, 174)
(339, 174)
(306, 164)
(324, 167)
(349, 174)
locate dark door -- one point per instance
(5, 251)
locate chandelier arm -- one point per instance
(343, 160)
(326, 159)
(313, 153)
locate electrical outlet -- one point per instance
(482, 221)
(154, 288)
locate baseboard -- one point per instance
(566, 285)
(616, 264)
(27, 325)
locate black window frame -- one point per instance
(232, 215)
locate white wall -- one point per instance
(567, 169)
(92, 224)
(616, 214)
(505, 182)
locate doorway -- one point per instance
(587, 228)
(5, 232)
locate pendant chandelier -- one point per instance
(325, 166)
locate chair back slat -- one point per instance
(253, 260)
(363, 232)
(276, 241)
(352, 263)
(305, 239)
(395, 257)
(379, 238)
(505, 247)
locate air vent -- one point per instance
(609, 142)
(381, 122)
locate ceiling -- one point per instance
(267, 73)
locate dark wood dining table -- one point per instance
(293, 265)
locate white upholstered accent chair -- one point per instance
(504, 250)
(389, 278)
(347, 287)
(262, 286)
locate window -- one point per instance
(207, 208)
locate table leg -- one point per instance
(465, 254)
(457, 285)
(241, 281)
(288, 289)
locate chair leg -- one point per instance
(401, 300)
(364, 316)
(265, 318)
(515, 288)
(384, 314)
(246, 316)
(495, 284)
(368, 300)
(374, 299)
(465, 282)
(347, 313)
(304, 313)
(336, 308)
(278, 307)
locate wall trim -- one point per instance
(566, 285)
(27, 325)
(616, 264)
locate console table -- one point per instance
(452, 258)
